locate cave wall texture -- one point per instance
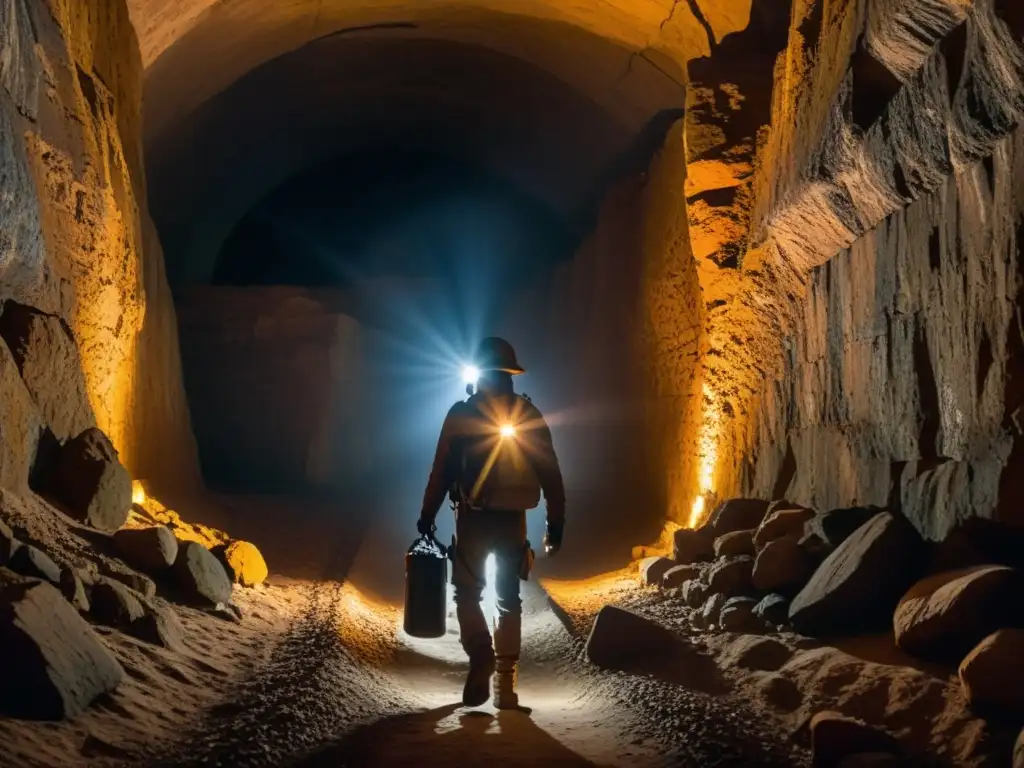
(78, 255)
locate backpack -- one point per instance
(493, 472)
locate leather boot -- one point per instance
(505, 678)
(478, 680)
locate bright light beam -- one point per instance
(470, 374)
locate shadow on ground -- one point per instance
(449, 736)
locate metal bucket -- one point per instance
(426, 588)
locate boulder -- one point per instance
(837, 525)
(159, 625)
(620, 638)
(710, 612)
(689, 546)
(46, 355)
(992, 675)
(245, 564)
(735, 543)
(62, 667)
(8, 544)
(114, 604)
(859, 584)
(22, 423)
(138, 582)
(30, 561)
(200, 576)
(73, 589)
(679, 575)
(945, 615)
(151, 550)
(653, 568)
(835, 737)
(732, 576)
(773, 610)
(694, 593)
(737, 515)
(756, 653)
(782, 522)
(781, 567)
(737, 615)
(88, 480)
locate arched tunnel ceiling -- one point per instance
(241, 94)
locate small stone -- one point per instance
(29, 561)
(159, 625)
(737, 515)
(732, 576)
(782, 522)
(835, 737)
(114, 604)
(88, 479)
(781, 567)
(694, 593)
(773, 609)
(73, 589)
(992, 675)
(710, 611)
(737, 615)
(679, 575)
(224, 611)
(689, 547)
(735, 543)
(756, 653)
(200, 576)
(62, 667)
(138, 582)
(152, 550)
(653, 568)
(620, 638)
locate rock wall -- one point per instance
(275, 380)
(72, 241)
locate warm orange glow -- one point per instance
(710, 430)
(508, 430)
(138, 493)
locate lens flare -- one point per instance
(470, 374)
(508, 430)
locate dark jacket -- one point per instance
(463, 420)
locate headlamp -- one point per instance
(470, 374)
(508, 430)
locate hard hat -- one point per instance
(494, 354)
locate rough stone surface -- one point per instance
(245, 564)
(737, 615)
(88, 479)
(711, 611)
(114, 604)
(200, 576)
(992, 674)
(31, 561)
(835, 737)
(694, 593)
(62, 667)
(678, 575)
(781, 566)
(735, 543)
(837, 525)
(619, 638)
(860, 583)
(158, 625)
(731, 576)
(1018, 751)
(773, 610)
(137, 582)
(8, 543)
(19, 427)
(945, 615)
(689, 546)
(737, 515)
(781, 522)
(754, 652)
(652, 569)
(74, 590)
(152, 550)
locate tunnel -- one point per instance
(759, 263)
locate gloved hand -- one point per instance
(425, 527)
(553, 539)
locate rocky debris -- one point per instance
(151, 550)
(88, 480)
(245, 564)
(837, 525)
(737, 615)
(694, 593)
(227, 612)
(653, 568)
(619, 638)
(735, 543)
(773, 610)
(689, 546)
(781, 567)
(114, 604)
(781, 522)
(22, 424)
(835, 737)
(861, 581)
(8, 543)
(31, 561)
(200, 576)
(138, 582)
(732, 576)
(679, 575)
(756, 653)
(737, 515)
(61, 665)
(945, 615)
(73, 589)
(708, 615)
(992, 675)
(159, 625)
(47, 359)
